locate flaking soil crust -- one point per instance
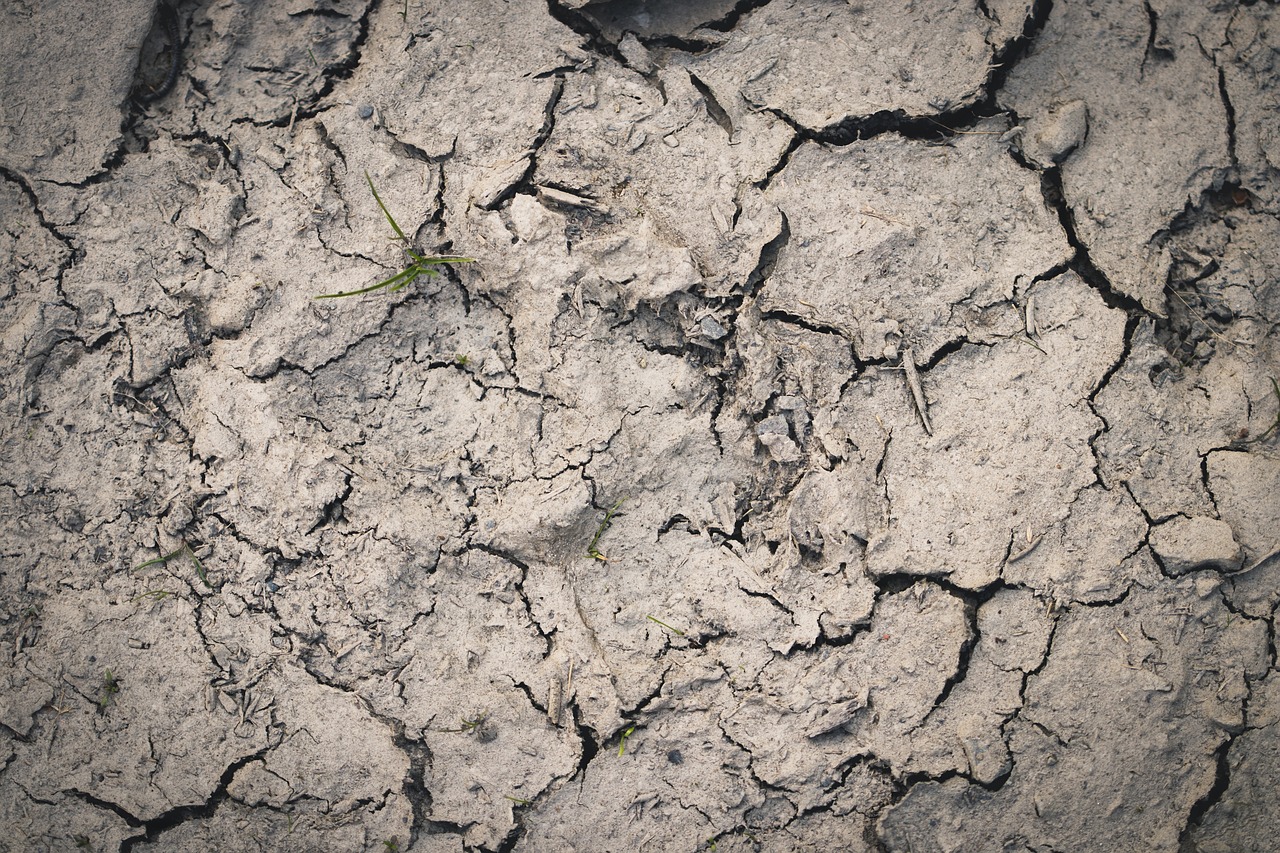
(856, 429)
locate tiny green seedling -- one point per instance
(185, 549)
(470, 727)
(593, 550)
(391, 845)
(519, 801)
(622, 741)
(153, 594)
(418, 264)
(461, 360)
(675, 631)
(110, 687)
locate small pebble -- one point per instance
(364, 111)
(712, 328)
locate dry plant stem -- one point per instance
(1031, 546)
(917, 393)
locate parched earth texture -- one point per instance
(856, 431)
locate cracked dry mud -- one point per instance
(925, 350)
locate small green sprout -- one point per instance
(676, 631)
(110, 687)
(461, 360)
(153, 594)
(519, 801)
(391, 845)
(622, 741)
(479, 727)
(593, 550)
(418, 264)
(185, 549)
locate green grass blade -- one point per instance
(200, 572)
(159, 561)
(411, 273)
(665, 625)
(385, 212)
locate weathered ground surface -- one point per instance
(925, 353)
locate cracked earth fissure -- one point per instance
(849, 648)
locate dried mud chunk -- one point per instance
(626, 620)
(30, 260)
(323, 167)
(814, 710)
(57, 822)
(1244, 818)
(658, 160)
(461, 694)
(273, 482)
(141, 731)
(1143, 160)
(965, 732)
(833, 512)
(264, 62)
(330, 750)
(778, 355)
(148, 233)
(564, 300)
(819, 64)
(1244, 285)
(889, 238)
(1094, 554)
(677, 778)
(1050, 138)
(1248, 60)
(1010, 447)
(475, 96)
(1116, 742)
(656, 18)
(1245, 486)
(60, 117)
(1186, 544)
(1161, 423)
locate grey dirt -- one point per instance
(857, 430)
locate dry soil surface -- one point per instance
(857, 430)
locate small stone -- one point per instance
(773, 425)
(712, 328)
(1187, 544)
(364, 111)
(774, 434)
(636, 54)
(1050, 138)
